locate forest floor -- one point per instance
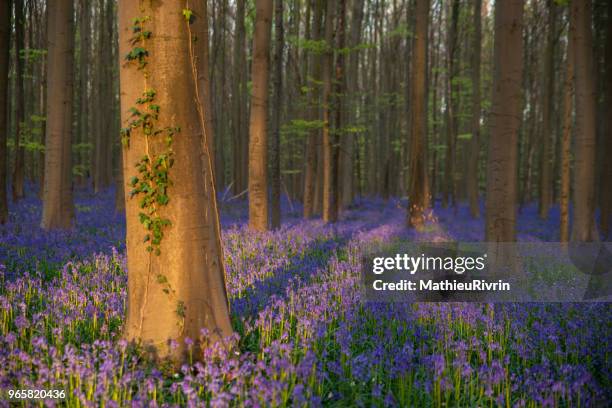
(304, 336)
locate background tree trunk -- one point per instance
(330, 213)
(275, 179)
(472, 178)
(5, 46)
(57, 194)
(19, 168)
(606, 176)
(505, 121)
(417, 189)
(583, 225)
(258, 128)
(566, 141)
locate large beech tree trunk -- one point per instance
(417, 187)
(583, 225)
(505, 121)
(258, 128)
(173, 295)
(5, 37)
(57, 192)
(472, 177)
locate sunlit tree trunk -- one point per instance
(5, 38)
(583, 225)
(472, 178)
(417, 189)
(505, 121)
(57, 194)
(258, 128)
(18, 170)
(175, 294)
(451, 134)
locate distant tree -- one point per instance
(258, 128)
(472, 177)
(583, 225)
(275, 176)
(505, 121)
(240, 93)
(19, 168)
(5, 46)
(57, 192)
(330, 210)
(417, 188)
(547, 114)
(566, 142)
(176, 283)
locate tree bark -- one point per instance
(417, 189)
(547, 107)
(606, 176)
(583, 225)
(275, 179)
(310, 171)
(173, 295)
(241, 135)
(5, 46)
(505, 121)
(566, 141)
(330, 210)
(472, 178)
(18, 170)
(258, 129)
(57, 194)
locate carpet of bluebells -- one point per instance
(303, 335)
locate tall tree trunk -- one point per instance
(5, 46)
(472, 178)
(417, 189)
(258, 129)
(566, 141)
(547, 107)
(83, 82)
(347, 188)
(340, 89)
(176, 292)
(18, 170)
(583, 225)
(310, 171)
(606, 176)
(449, 169)
(505, 121)
(239, 92)
(275, 179)
(57, 194)
(330, 212)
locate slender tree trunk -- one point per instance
(240, 102)
(564, 196)
(417, 189)
(547, 107)
(583, 225)
(258, 141)
(275, 179)
(18, 170)
(83, 82)
(606, 176)
(5, 46)
(505, 121)
(310, 171)
(57, 194)
(330, 213)
(472, 179)
(174, 294)
(340, 90)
